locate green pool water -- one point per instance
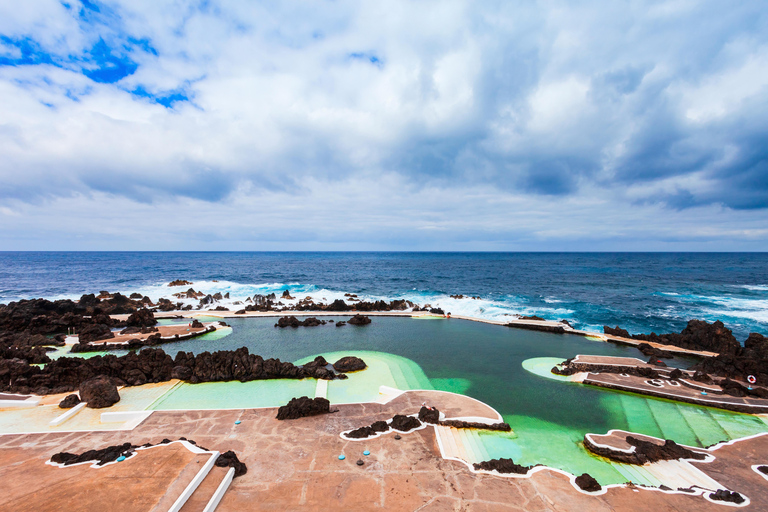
(491, 363)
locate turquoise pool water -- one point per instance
(549, 417)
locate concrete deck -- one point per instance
(293, 465)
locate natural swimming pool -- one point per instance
(549, 417)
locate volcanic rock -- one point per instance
(349, 364)
(229, 459)
(341, 324)
(338, 305)
(286, 295)
(303, 407)
(368, 431)
(616, 331)
(727, 496)
(197, 324)
(141, 318)
(109, 454)
(587, 483)
(99, 392)
(69, 401)
(404, 423)
(428, 415)
(95, 332)
(502, 465)
(359, 320)
(180, 282)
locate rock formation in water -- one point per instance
(292, 321)
(180, 282)
(349, 364)
(359, 320)
(303, 407)
(697, 335)
(99, 392)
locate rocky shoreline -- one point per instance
(153, 365)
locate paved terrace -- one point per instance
(689, 391)
(293, 465)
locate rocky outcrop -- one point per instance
(292, 321)
(429, 415)
(587, 483)
(349, 364)
(369, 430)
(338, 305)
(532, 317)
(751, 359)
(727, 496)
(180, 282)
(100, 457)
(303, 407)
(69, 401)
(149, 365)
(229, 459)
(644, 452)
(359, 320)
(502, 465)
(95, 332)
(141, 318)
(697, 335)
(286, 295)
(99, 392)
(404, 423)
(616, 331)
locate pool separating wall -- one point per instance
(494, 364)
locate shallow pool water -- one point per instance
(549, 417)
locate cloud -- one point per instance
(662, 107)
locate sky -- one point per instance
(398, 125)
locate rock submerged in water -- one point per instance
(587, 483)
(502, 465)
(99, 392)
(303, 407)
(69, 401)
(359, 320)
(349, 364)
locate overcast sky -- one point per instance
(415, 125)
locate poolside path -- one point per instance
(293, 465)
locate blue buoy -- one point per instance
(703, 392)
(121, 458)
(366, 452)
(237, 422)
(342, 457)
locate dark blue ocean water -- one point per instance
(642, 292)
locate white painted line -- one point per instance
(223, 486)
(55, 422)
(199, 477)
(321, 390)
(19, 404)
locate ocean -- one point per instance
(642, 292)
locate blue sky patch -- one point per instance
(370, 57)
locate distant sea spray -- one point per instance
(642, 292)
